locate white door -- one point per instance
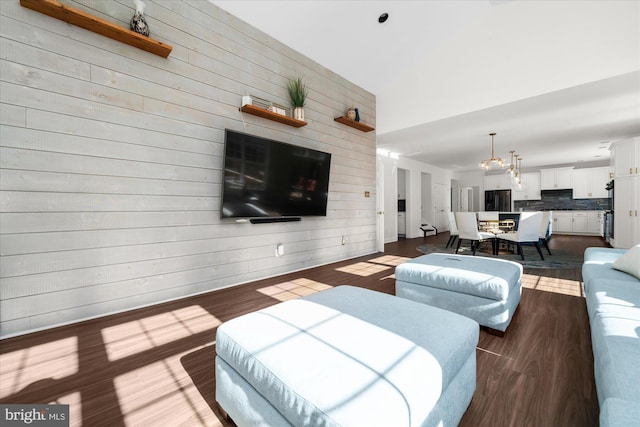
(466, 198)
(441, 205)
(379, 206)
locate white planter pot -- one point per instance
(298, 113)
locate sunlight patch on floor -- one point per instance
(74, 400)
(151, 394)
(374, 266)
(38, 364)
(552, 284)
(364, 269)
(391, 260)
(293, 289)
(133, 337)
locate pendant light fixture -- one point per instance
(486, 164)
(520, 186)
(512, 167)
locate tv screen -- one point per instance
(266, 178)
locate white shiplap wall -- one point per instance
(111, 162)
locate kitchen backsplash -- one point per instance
(557, 200)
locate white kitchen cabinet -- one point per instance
(497, 182)
(590, 183)
(626, 220)
(530, 187)
(577, 222)
(556, 179)
(595, 221)
(625, 158)
(562, 222)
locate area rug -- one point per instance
(559, 259)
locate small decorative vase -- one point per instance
(351, 114)
(357, 115)
(138, 24)
(298, 113)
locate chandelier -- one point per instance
(486, 164)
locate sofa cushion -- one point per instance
(603, 272)
(614, 297)
(602, 255)
(616, 355)
(614, 315)
(598, 264)
(629, 262)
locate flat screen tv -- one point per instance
(271, 179)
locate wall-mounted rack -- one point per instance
(358, 125)
(89, 22)
(266, 114)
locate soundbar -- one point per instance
(278, 219)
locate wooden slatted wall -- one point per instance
(111, 162)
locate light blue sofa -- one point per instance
(613, 304)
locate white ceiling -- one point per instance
(556, 80)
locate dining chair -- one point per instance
(467, 223)
(528, 232)
(453, 229)
(545, 229)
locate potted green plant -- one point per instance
(298, 93)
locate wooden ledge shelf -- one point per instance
(358, 125)
(266, 114)
(89, 22)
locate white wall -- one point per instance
(415, 208)
(111, 162)
(473, 179)
(553, 45)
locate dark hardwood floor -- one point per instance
(155, 366)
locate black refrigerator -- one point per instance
(497, 200)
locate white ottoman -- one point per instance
(486, 290)
(346, 357)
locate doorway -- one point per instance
(426, 210)
(466, 199)
(379, 205)
(441, 205)
(403, 203)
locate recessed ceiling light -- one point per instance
(383, 18)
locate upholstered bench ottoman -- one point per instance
(346, 357)
(487, 290)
